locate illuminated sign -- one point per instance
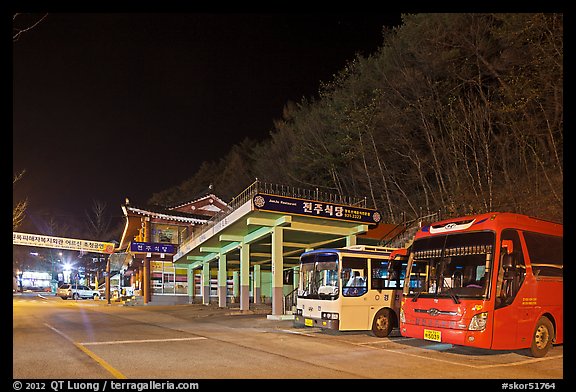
(151, 247)
(45, 241)
(316, 209)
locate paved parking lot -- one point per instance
(199, 342)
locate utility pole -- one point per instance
(108, 280)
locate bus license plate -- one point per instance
(308, 322)
(430, 334)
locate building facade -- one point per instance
(150, 238)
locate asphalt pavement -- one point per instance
(83, 339)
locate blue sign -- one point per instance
(151, 247)
(315, 208)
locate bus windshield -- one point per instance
(319, 276)
(451, 265)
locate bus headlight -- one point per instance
(478, 322)
(402, 317)
(329, 316)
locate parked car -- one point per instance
(76, 291)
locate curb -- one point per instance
(280, 317)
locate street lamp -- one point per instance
(67, 270)
(54, 280)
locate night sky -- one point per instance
(108, 106)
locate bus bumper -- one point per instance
(303, 321)
(460, 337)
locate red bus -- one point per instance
(491, 281)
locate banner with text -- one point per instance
(315, 208)
(45, 241)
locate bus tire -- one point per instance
(542, 337)
(383, 323)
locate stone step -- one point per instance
(135, 301)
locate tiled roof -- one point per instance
(159, 212)
(209, 195)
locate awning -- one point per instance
(384, 231)
(119, 260)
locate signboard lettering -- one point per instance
(314, 208)
(45, 241)
(151, 247)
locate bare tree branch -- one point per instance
(18, 176)
(18, 212)
(17, 32)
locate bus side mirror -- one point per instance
(398, 252)
(507, 258)
(507, 246)
(394, 265)
(507, 262)
(393, 274)
(508, 265)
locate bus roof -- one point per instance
(358, 249)
(491, 221)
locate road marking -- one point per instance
(100, 361)
(141, 341)
(298, 333)
(434, 347)
(521, 362)
(466, 364)
(116, 373)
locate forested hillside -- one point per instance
(460, 113)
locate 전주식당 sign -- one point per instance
(151, 247)
(316, 209)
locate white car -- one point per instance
(76, 291)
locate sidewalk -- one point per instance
(201, 310)
(190, 311)
(195, 310)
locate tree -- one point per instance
(19, 28)
(19, 210)
(455, 112)
(97, 222)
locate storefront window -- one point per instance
(167, 279)
(181, 281)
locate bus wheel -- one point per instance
(383, 323)
(542, 338)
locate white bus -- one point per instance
(357, 288)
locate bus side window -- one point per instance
(512, 269)
(546, 254)
(354, 276)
